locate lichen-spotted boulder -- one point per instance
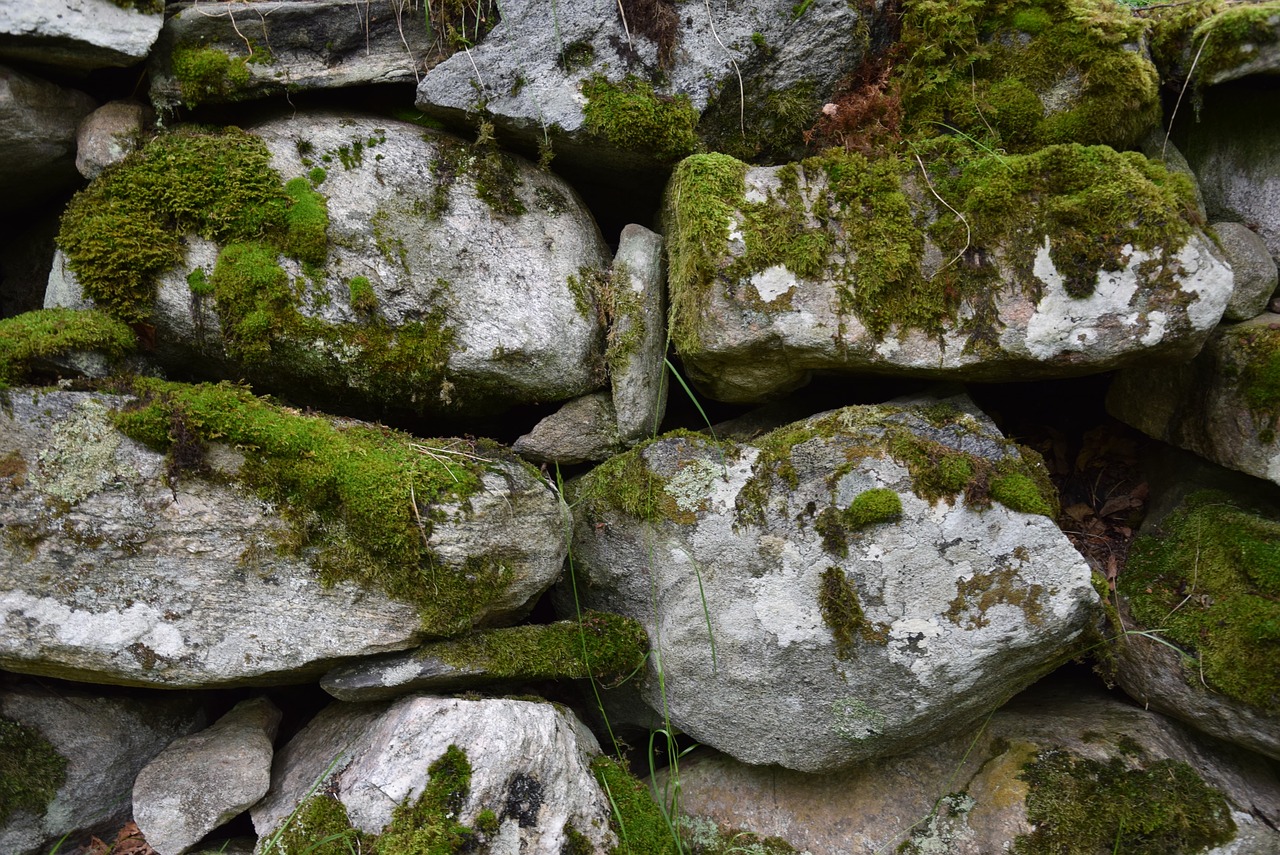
(1224, 405)
(503, 775)
(1067, 261)
(846, 587)
(199, 536)
(355, 264)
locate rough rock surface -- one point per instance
(637, 365)
(296, 45)
(200, 781)
(1253, 268)
(106, 740)
(528, 765)
(530, 71)
(1232, 151)
(584, 429)
(109, 134)
(119, 574)
(806, 606)
(79, 34)
(38, 121)
(749, 327)
(970, 795)
(1222, 405)
(407, 212)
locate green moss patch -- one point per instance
(843, 615)
(630, 115)
(603, 646)
(637, 820)
(45, 333)
(1081, 805)
(1209, 581)
(1020, 74)
(863, 225)
(126, 227)
(31, 770)
(1229, 32)
(360, 499)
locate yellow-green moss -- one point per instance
(637, 820)
(203, 73)
(126, 227)
(845, 218)
(363, 299)
(1251, 356)
(870, 507)
(1081, 805)
(1226, 33)
(630, 115)
(1209, 581)
(319, 826)
(604, 646)
(46, 333)
(359, 498)
(1020, 74)
(306, 223)
(31, 770)
(843, 615)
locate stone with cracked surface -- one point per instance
(946, 611)
(202, 780)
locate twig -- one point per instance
(968, 239)
(742, 92)
(1182, 92)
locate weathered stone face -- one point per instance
(807, 605)
(38, 122)
(120, 570)
(842, 265)
(80, 34)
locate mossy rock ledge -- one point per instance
(354, 264)
(430, 774)
(962, 264)
(192, 536)
(1224, 405)
(844, 588)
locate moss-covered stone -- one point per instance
(1224, 35)
(602, 646)
(1251, 357)
(760, 125)
(47, 333)
(31, 770)
(359, 498)
(1081, 805)
(862, 225)
(1020, 74)
(1209, 581)
(631, 116)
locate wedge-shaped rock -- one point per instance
(348, 263)
(1064, 262)
(844, 588)
(1224, 405)
(233, 51)
(510, 776)
(1064, 768)
(80, 34)
(257, 546)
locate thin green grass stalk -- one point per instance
(274, 842)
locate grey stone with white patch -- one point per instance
(107, 738)
(202, 780)
(117, 575)
(79, 34)
(529, 765)
(961, 607)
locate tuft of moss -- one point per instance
(637, 820)
(203, 73)
(319, 826)
(603, 646)
(306, 223)
(363, 299)
(359, 498)
(871, 507)
(1232, 33)
(429, 826)
(29, 337)
(841, 611)
(1223, 609)
(1081, 805)
(1020, 493)
(31, 770)
(631, 116)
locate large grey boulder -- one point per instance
(403, 296)
(1063, 262)
(263, 548)
(215, 52)
(103, 741)
(38, 121)
(1066, 768)
(1255, 271)
(80, 34)
(527, 765)
(1231, 149)
(1223, 405)
(841, 589)
(200, 781)
(579, 77)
